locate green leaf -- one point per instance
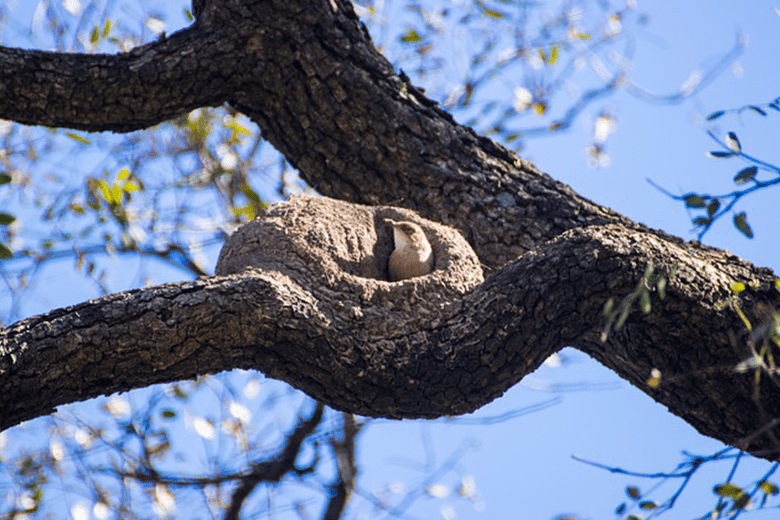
(95, 35)
(5, 178)
(732, 141)
(130, 187)
(116, 194)
(248, 211)
(728, 490)
(647, 505)
(694, 201)
(713, 207)
(411, 36)
(123, 174)
(6, 218)
(740, 222)
(554, 55)
(745, 175)
(168, 414)
(77, 137)
(5, 253)
(768, 488)
(104, 189)
(611, 304)
(644, 302)
(249, 193)
(623, 316)
(720, 154)
(106, 28)
(702, 221)
(491, 13)
(715, 115)
(633, 492)
(661, 287)
(738, 287)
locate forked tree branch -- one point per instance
(413, 349)
(308, 74)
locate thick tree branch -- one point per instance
(394, 349)
(122, 92)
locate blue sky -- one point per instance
(523, 468)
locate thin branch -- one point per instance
(274, 469)
(705, 79)
(716, 211)
(344, 452)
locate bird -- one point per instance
(413, 255)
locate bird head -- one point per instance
(407, 233)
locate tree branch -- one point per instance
(123, 92)
(344, 453)
(414, 348)
(273, 470)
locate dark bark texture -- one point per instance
(315, 310)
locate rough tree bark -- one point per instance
(319, 316)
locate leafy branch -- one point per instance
(731, 500)
(757, 175)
